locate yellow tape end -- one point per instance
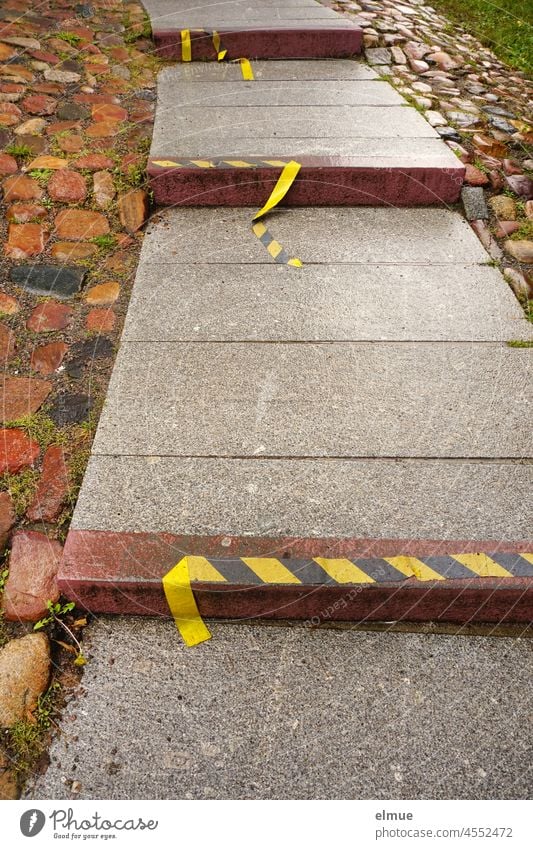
(246, 69)
(182, 604)
(296, 263)
(186, 50)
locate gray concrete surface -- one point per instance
(440, 399)
(216, 16)
(177, 93)
(322, 235)
(361, 152)
(393, 499)
(328, 302)
(177, 14)
(269, 712)
(317, 400)
(216, 125)
(291, 69)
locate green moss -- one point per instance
(42, 175)
(139, 29)
(26, 740)
(39, 427)
(519, 343)
(22, 151)
(70, 37)
(21, 488)
(524, 232)
(76, 465)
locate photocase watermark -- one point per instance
(65, 825)
(339, 604)
(32, 822)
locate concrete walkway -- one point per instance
(364, 405)
(273, 712)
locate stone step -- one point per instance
(256, 411)
(257, 29)
(222, 141)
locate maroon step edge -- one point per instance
(121, 572)
(322, 181)
(298, 42)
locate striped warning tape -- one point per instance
(218, 163)
(325, 570)
(322, 571)
(276, 251)
(186, 50)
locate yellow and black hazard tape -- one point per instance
(255, 162)
(186, 50)
(276, 251)
(320, 571)
(374, 570)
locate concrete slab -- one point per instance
(317, 400)
(219, 17)
(364, 499)
(356, 152)
(333, 302)
(264, 713)
(316, 235)
(298, 446)
(225, 122)
(239, 129)
(279, 93)
(292, 70)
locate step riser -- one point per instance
(460, 604)
(315, 186)
(98, 567)
(272, 43)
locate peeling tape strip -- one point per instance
(246, 69)
(186, 52)
(276, 251)
(182, 604)
(222, 53)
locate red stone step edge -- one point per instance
(298, 42)
(322, 181)
(121, 572)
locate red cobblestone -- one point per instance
(100, 321)
(49, 316)
(67, 186)
(17, 451)
(47, 358)
(32, 582)
(80, 224)
(52, 489)
(25, 240)
(39, 104)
